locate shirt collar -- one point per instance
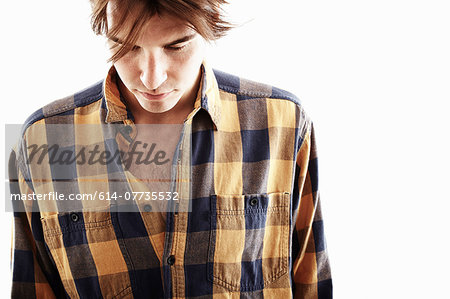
(208, 97)
(116, 109)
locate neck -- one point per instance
(176, 115)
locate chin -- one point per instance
(158, 107)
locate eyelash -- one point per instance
(175, 49)
(170, 48)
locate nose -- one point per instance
(153, 71)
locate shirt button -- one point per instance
(253, 201)
(74, 217)
(171, 260)
(148, 208)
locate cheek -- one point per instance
(126, 69)
(187, 66)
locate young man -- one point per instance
(247, 221)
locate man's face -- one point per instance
(163, 68)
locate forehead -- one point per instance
(155, 27)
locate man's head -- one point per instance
(157, 46)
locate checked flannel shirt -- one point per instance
(254, 230)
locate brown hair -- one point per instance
(204, 16)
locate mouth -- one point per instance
(154, 96)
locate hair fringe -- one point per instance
(204, 16)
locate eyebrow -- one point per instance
(172, 43)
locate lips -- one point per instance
(155, 97)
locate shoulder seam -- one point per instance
(233, 90)
(70, 107)
(260, 90)
(83, 102)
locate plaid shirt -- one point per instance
(254, 229)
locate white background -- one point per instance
(373, 75)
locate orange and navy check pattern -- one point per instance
(255, 229)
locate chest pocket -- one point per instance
(249, 242)
(87, 255)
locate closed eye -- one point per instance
(176, 48)
(135, 48)
(181, 43)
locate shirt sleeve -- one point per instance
(33, 270)
(310, 266)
